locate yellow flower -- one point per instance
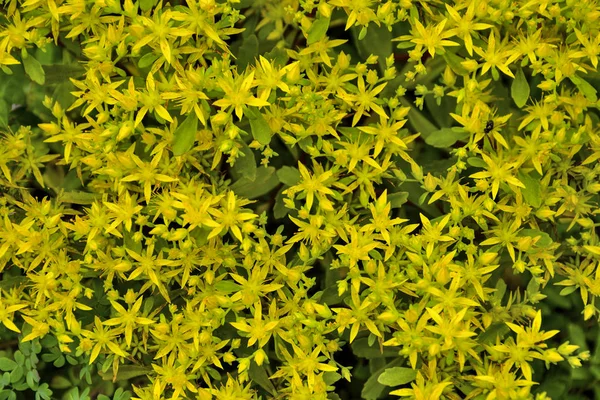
(254, 287)
(360, 12)
(497, 56)
(432, 37)
(498, 172)
(269, 77)
(188, 92)
(591, 47)
(150, 265)
(358, 247)
(229, 217)
(173, 372)
(128, 318)
(465, 27)
(506, 233)
(258, 330)
(151, 100)
(124, 212)
(423, 389)
(381, 221)
(39, 329)
(158, 30)
(312, 184)
(322, 48)
(385, 133)
(147, 174)
(104, 339)
(238, 93)
(366, 100)
(6, 313)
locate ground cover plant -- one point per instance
(299, 199)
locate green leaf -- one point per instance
(62, 93)
(331, 377)
(446, 137)
(59, 362)
(476, 162)
(60, 382)
(533, 190)
(317, 30)
(72, 360)
(248, 52)
(454, 62)
(227, 286)
(4, 110)
(279, 209)
(519, 89)
(372, 388)
(17, 374)
(54, 177)
(73, 394)
(147, 59)
(418, 121)
(185, 135)
(245, 165)
(19, 357)
(279, 57)
(377, 41)
(266, 180)
(533, 288)
(403, 45)
(34, 69)
(555, 299)
(60, 73)
(259, 375)
(577, 336)
(261, 131)
(435, 67)
(397, 376)
(79, 197)
(361, 348)
(397, 199)
(6, 364)
(121, 394)
(544, 241)
(146, 5)
(414, 193)
(8, 283)
(200, 234)
(363, 33)
(130, 243)
(32, 378)
(288, 175)
(498, 329)
(440, 109)
(595, 359)
(588, 90)
(126, 372)
(43, 392)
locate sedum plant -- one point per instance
(234, 199)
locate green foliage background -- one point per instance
(299, 199)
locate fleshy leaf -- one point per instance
(34, 69)
(397, 376)
(317, 30)
(519, 89)
(185, 135)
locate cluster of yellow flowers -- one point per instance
(167, 244)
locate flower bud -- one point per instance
(325, 10)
